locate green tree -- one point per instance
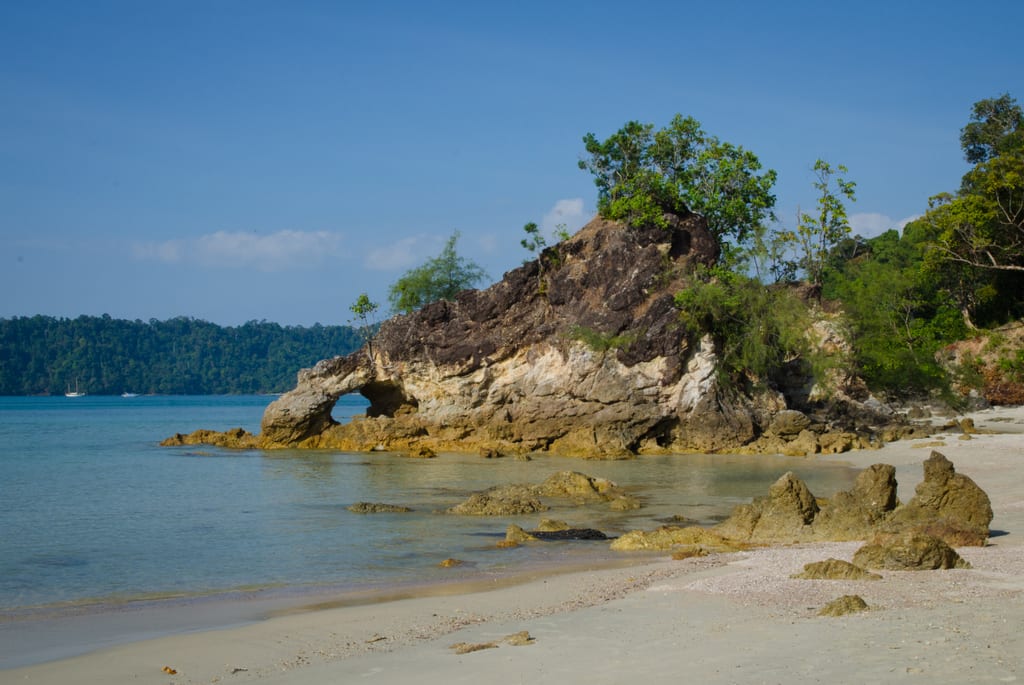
(363, 309)
(978, 232)
(817, 234)
(897, 313)
(996, 126)
(641, 174)
(440, 278)
(757, 330)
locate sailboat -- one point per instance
(74, 393)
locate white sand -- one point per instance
(723, 619)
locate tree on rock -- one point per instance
(440, 278)
(641, 174)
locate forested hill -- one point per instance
(45, 355)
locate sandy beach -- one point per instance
(735, 618)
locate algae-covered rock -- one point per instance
(576, 485)
(509, 500)
(855, 514)
(834, 569)
(516, 535)
(236, 438)
(847, 604)
(670, 537)
(948, 505)
(789, 422)
(908, 551)
(785, 515)
(421, 452)
(551, 525)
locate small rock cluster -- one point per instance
(948, 509)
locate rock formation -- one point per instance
(908, 551)
(948, 507)
(578, 352)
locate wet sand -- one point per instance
(718, 619)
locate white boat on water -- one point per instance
(129, 394)
(74, 393)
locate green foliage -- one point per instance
(817, 234)
(534, 240)
(996, 127)
(440, 278)
(977, 234)
(641, 174)
(898, 316)
(757, 330)
(43, 355)
(601, 342)
(363, 309)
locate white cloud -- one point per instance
(170, 251)
(398, 255)
(869, 225)
(272, 252)
(569, 212)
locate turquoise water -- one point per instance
(93, 512)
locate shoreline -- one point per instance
(731, 599)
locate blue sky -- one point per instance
(240, 160)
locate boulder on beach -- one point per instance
(947, 505)
(834, 569)
(785, 515)
(908, 551)
(856, 513)
(847, 604)
(672, 537)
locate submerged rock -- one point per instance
(235, 438)
(509, 500)
(377, 508)
(577, 488)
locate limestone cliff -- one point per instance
(578, 352)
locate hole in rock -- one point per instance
(386, 399)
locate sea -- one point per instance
(97, 520)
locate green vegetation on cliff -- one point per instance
(44, 355)
(901, 297)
